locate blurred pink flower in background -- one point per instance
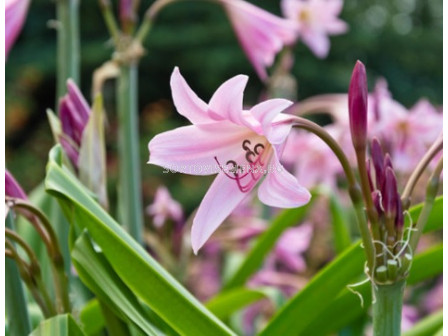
(261, 34)
(434, 299)
(15, 15)
(241, 146)
(316, 163)
(164, 207)
(409, 316)
(315, 21)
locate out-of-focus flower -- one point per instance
(15, 15)
(313, 161)
(315, 21)
(13, 188)
(409, 316)
(291, 245)
(74, 114)
(261, 34)
(241, 146)
(164, 207)
(408, 134)
(434, 299)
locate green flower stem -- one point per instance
(51, 242)
(110, 20)
(67, 12)
(15, 303)
(130, 179)
(386, 308)
(436, 147)
(353, 187)
(431, 193)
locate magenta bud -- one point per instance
(377, 201)
(78, 101)
(390, 194)
(357, 106)
(376, 153)
(12, 187)
(399, 221)
(388, 161)
(127, 14)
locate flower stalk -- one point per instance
(68, 54)
(387, 306)
(15, 303)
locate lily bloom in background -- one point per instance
(315, 21)
(164, 207)
(74, 114)
(241, 146)
(261, 34)
(15, 14)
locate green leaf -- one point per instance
(60, 325)
(149, 281)
(92, 153)
(341, 233)
(312, 300)
(429, 326)
(228, 302)
(92, 318)
(435, 220)
(264, 244)
(350, 303)
(98, 275)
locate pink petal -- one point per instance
(221, 199)
(193, 149)
(267, 111)
(186, 101)
(15, 14)
(281, 189)
(318, 42)
(227, 101)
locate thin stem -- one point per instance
(130, 180)
(15, 303)
(22, 243)
(431, 193)
(436, 147)
(149, 18)
(386, 308)
(109, 19)
(353, 187)
(53, 249)
(68, 54)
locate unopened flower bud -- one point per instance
(357, 106)
(12, 187)
(376, 154)
(390, 194)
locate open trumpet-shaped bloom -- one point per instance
(261, 34)
(315, 19)
(241, 146)
(15, 14)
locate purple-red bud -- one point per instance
(388, 161)
(377, 201)
(127, 14)
(357, 106)
(390, 194)
(376, 153)
(12, 187)
(399, 221)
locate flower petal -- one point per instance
(186, 101)
(221, 199)
(267, 111)
(281, 189)
(193, 149)
(227, 101)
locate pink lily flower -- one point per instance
(164, 207)
(15, 14)
(315, 20)
(241, 146)
(261, 34)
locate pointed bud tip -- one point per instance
(357, 106)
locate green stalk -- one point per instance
(16, 309)
(386, 308)
(130, 179)
(67, 12)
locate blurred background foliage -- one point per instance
(400, 40)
